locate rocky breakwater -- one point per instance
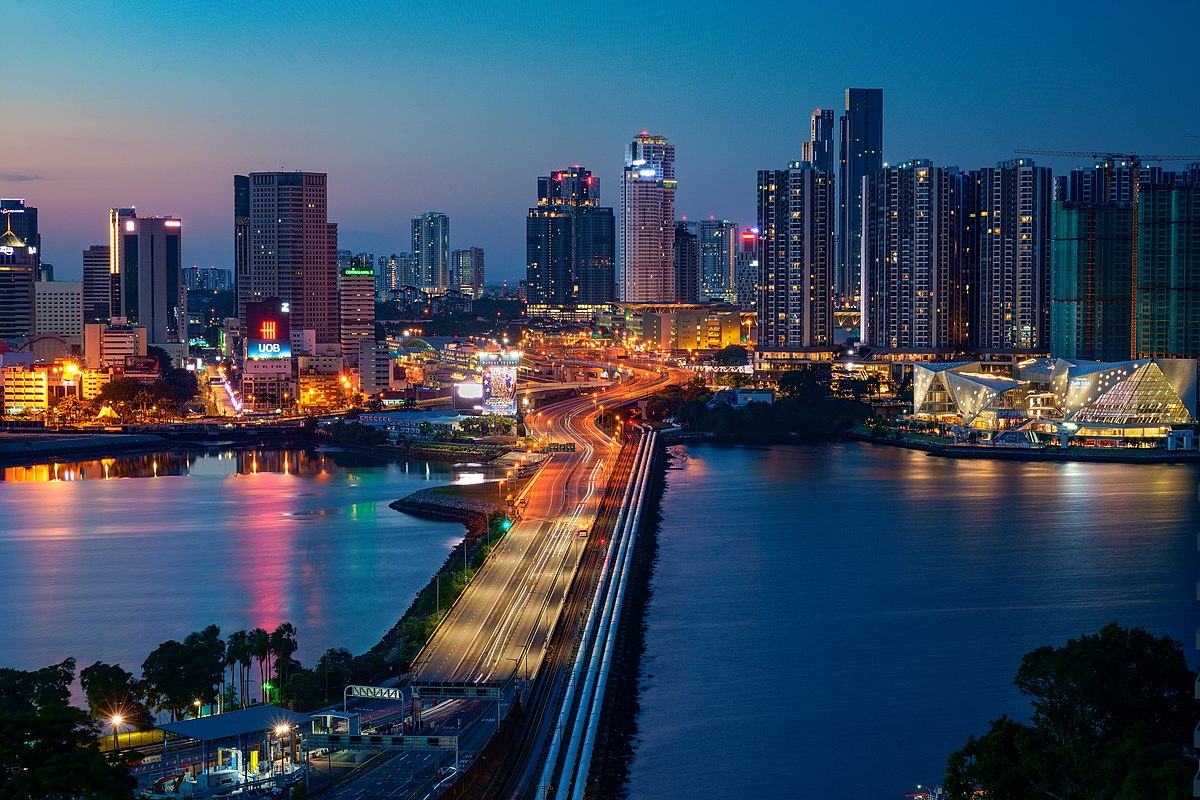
(430, 504)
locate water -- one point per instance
(834, 621)
(103, 560)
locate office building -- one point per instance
(1005, 217)
(687, 263)
(795, 257)
(718, 243)
(648, 221)
(18, 273)
(207, 279)
(818, 150)
(1168, 268)
(431, 252)
(913, 282)
(58, 308)
(466, 271)
(45, 271)
(241, 243)
(569, 244)
(147, 289)
(97, 286)
(861, 154)
(105, 346)
(292, 254)
(356, 308)
(22, 220)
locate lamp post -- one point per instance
(117, 719)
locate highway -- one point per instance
(498, 628)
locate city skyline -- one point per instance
(382, 174)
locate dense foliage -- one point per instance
(355, 434)
(48, 747)
(1112, 719)
(804, 409)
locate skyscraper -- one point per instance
(687, 262)
(1168, 288)
(745, 271)
(22, 220)
(18, 273)
(241, 241)
(912, 275)
(292, 253)
(97, 286)
(431, 251)
(1005, 218)
(795, 257)
(466, 272)
(818, 150)
(1091, 288)
(648, 221)
(147, 254)
(569, 243)
(718, 242)
(356, 308)
(861, 154)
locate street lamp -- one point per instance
(198, 706)
(117, 719)
(280, 730)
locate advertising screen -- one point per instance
(141, 365)
(499, 389)
(268, 334)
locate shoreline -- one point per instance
(25, 450)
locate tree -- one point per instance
(111, 690)
(809, 385)
(260, 648)
(733, 355)
(237, 658)
(48, 748)
(1112, 713)
(177, 674)
(283, 645)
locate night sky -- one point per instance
(459, 107)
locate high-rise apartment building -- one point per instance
(146, 274)
(718, 243)
(569, 243)
(431, 251)
(818, 150)
(466, 271)
(861, 154)
(648, 221)
(687, 262)
(1168, 268)
(18, 273)
(1091, 286)
(58, 308)
(356, 308)
(97, 285)
(913, 282)
(1005, 223)
(795, 258)
(292, 253)
(207, 279)
(745, 271)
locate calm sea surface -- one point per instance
(833, 621)
(103, 560)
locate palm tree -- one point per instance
(236, 649)
(260, 648)
(283, 644)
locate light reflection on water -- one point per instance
(812, 605)
(104, 559)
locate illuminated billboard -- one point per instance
(268, 333)
(499, 389)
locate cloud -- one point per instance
(20, 177)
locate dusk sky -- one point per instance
(455, 107)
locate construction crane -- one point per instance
(1110, 162)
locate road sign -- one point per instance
(377, 692)
(559, 447)
(456, 691)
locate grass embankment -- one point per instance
(434, 601)
(486, 492)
